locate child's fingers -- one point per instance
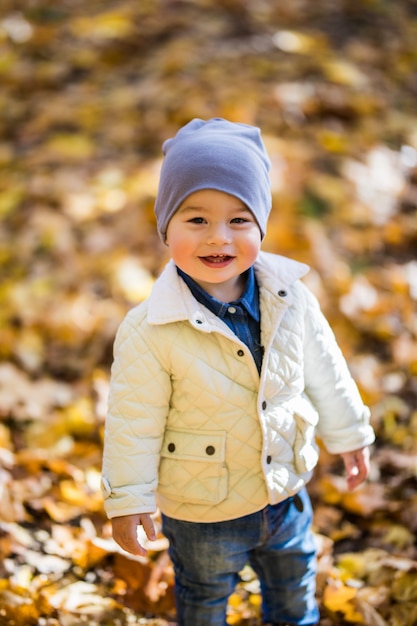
(130, 544)
(148, 527)
(357, 467)
(354, 477)
(125, 534)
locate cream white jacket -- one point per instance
(193, 428)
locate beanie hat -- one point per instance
(214, 154)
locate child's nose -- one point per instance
(219, 233)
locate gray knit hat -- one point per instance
(214, 154)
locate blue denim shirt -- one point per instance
(242, 316)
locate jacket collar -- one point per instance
(277, 273)
(171, 300)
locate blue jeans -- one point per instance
(278, 544)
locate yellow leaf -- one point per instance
(333, 141)
(404, 614)
(339, 599)
(105, 26)
(343, 72)
(18, 609)
(404, 588)
(70, 146)
(399, 537)
(255, 600)
(81, 597)
(365, 500)
(29, 349)
(335, 597)
(5, 441)
(8, 61)
(79, 418)
(87, 554)
(72, 494)
(60, 511)
(295, 42)
(353, 564)
(10, 200)
(330, 489)
(133, 280)
(235, 600)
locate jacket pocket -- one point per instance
(305, 448)
(192, 467)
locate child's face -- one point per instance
(214, 238)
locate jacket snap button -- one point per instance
(210, 450)
(171, 447)
(240, 353)
(264, 405)
(298, 503)
(269, 459)
(282, 293)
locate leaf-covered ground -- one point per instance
(88, 93)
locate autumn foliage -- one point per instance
(89, 92)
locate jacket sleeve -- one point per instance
(344, 421)
(135, 423)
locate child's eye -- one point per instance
(197, 220)
(239, 220)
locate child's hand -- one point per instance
(357, 466)
(125, 531)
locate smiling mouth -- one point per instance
(216, 259)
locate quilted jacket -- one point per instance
(194, 430)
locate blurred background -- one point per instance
(89, 91)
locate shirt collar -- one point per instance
(249, 299)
